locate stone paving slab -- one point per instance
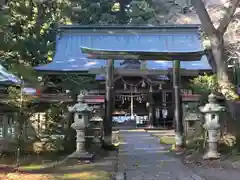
(142, 157)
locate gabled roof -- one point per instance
(178, 38)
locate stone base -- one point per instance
(81, 156)
(97, 141)
(108, 146)
(211, 155)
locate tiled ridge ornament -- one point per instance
(81, 112)
(211, 113)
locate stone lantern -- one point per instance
(211, 113)
(82, 113)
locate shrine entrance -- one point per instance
(128, 55)
(143, 55)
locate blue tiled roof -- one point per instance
(68, 56)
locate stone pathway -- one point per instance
(142, 157)
(217, 173)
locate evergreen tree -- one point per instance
(140, 12)
(154, 12)
(97, 12)
(28, 34)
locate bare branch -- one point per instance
(203, 15)
(233, 4)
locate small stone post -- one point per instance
(211, 115)
(81, 112)
(97, 128)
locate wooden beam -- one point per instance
(127, 91)
(143, 55)
(130, 72)
(140, 72)
(153, 82)
(144, 72)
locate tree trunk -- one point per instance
(217, 44)
(20, 138)
(225, 85)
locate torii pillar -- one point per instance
(178, 119)
(109, 105)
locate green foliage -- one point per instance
(76, 82)
(92, 12)
(3, 20)
(23, 105)
(20, 100)
(55, 121)
(28, 33)
(204, 85)
(140, 12)
(153, 12)
(167, 140)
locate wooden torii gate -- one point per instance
(175, 57)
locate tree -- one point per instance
(24, 106)
(204, 85)
(216, 37)
(155, 12)
(72, 83)
(87, 12)
(140, 11)
(28, 35)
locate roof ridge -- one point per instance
(163, 26)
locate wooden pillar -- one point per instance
(158, 102)
(164, 107)
(150, 110)
(5, 125)
(107, 122)
(160, 120)
(178, 105)
(155, 123)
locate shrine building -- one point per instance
(133, 67)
